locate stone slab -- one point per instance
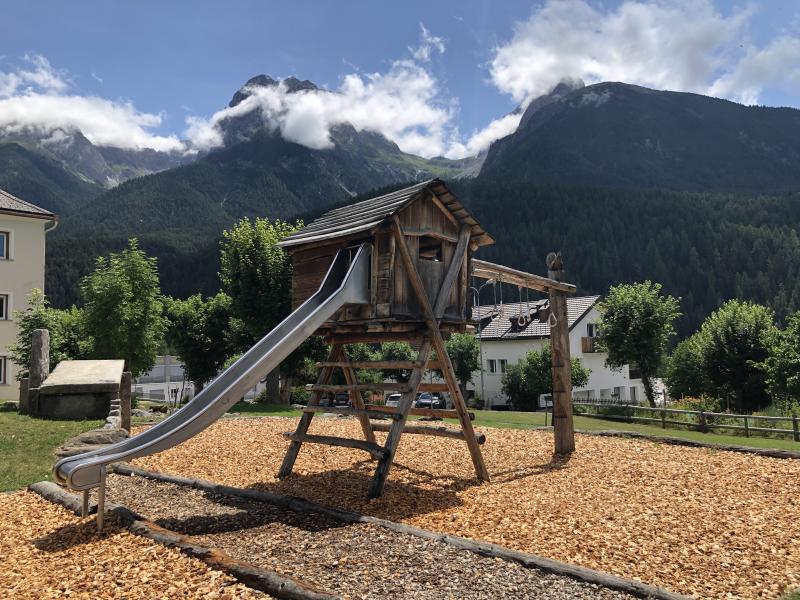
(83, 376)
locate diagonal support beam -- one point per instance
(356, 400)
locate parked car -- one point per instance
(339, 399)
(393, 399)
(428, 400)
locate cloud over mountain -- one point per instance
(683, 45)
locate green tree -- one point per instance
(397, 351)
(685, 372)
(782, 366)
(124, 308)
(737, 340)
(463, 350)
(526, 381)
(636, 323)
(257, 274)
(67, 337)
(199, 333)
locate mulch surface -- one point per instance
(352, 560)
(47, 552)
(702, 522)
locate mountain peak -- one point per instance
(293, 85)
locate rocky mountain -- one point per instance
(619, 135)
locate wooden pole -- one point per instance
(563, 427)
(357, 401)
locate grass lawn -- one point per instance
(27, 445)
(526, 420)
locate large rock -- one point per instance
(90, 440)
(79, 389)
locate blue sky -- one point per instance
(178, 60)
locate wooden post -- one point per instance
(747, 428)
(563, 427)
(703, 426)
(796, 428)
(663, 418)
(125, 401)
(356, 400)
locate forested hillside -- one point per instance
(619, 135)
(705, 248)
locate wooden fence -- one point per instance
(693, 419)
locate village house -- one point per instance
(507, 336)
(22, 249)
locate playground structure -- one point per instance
(391, 268)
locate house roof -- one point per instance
(496, 322)
(367, 215)
(14, 206)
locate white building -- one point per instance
(507, 336)
(22, 242)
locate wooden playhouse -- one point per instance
(422, 241)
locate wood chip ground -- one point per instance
(47, 552)
(354, 560)
(707, 523)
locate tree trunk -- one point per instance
(648, 390)
(286, 389)
(273, 387)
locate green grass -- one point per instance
(27, 445)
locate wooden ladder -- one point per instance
(431, 339)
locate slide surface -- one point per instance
(347, 282)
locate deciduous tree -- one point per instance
(635, 325)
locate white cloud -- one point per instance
(406, 103)
(35, 98)
(685, 45)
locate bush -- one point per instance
(299, 395)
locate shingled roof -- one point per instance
(11, 205)
(367, 215)
(496, 322)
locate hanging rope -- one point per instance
(521, 317)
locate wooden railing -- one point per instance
(693, 419)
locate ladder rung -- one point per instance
(420, 412)
(371, 364)
(433, 387)
(374, 449)
(346, 410)
(359, 387)
(436, 431)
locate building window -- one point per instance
(492, 365)
(503, 364)
(3, 374)
(4, 307)
(591, 330)
(4, 245)
(634, 399)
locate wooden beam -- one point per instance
(357, 401)
(329, 440)
(436, 431)
(347, 411)
(376, 337)
(441, 413)
(487, 270)
(431, 233)
(323, 377)
(372, 364)
(563, 427)
(432, 316)
(358, 387)
(440, 205)
(434, 387)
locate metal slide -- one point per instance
(347, 282)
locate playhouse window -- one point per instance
(430, 248)
(3, 375)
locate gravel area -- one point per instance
(354, 560)
(47, 552)
(702, 522)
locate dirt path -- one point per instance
(354, 560)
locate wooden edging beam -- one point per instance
(270, 582)
(530, 561)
